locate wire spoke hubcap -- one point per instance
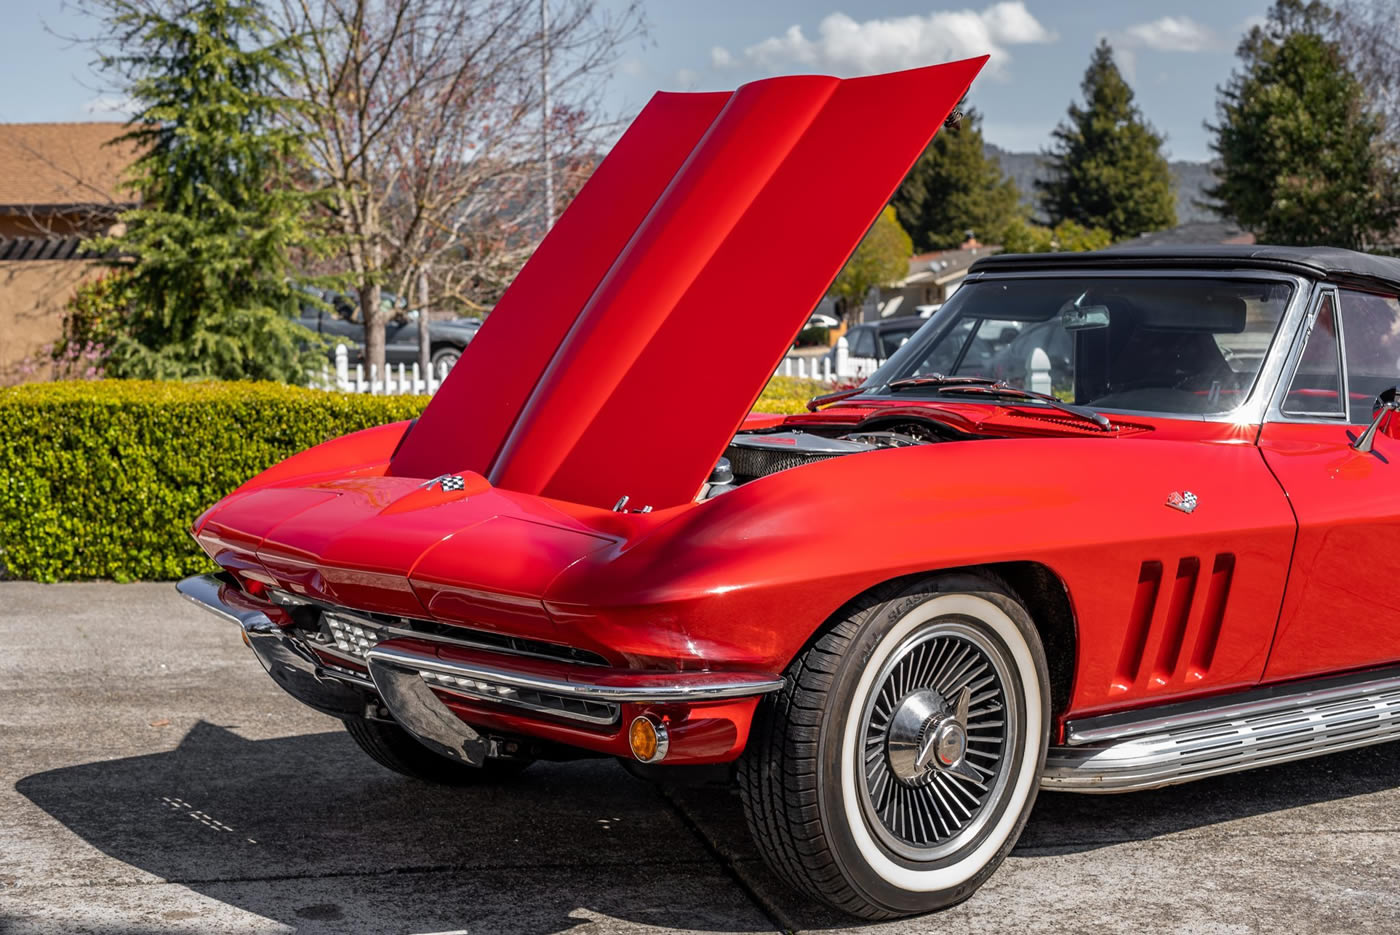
(938, 731)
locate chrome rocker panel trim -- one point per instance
(1262, 728)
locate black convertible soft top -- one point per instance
(1346, 267)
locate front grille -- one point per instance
(352, 639)
(353, 633)
(578, 709)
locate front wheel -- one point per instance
(896, 769)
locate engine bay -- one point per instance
(760, 452)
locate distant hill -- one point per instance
(1192, 179)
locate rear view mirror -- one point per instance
(1386, 400)
(1382, 418)
(1084, 317)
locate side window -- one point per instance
(892, 341)
(1316, 389)
(1371, 343)
(862, 342)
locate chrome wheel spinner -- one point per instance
(927, 734)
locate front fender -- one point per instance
(747, 578)
(362, 452)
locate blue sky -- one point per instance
(1174, 54)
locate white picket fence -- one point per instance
(403, 380)
(397, 381)
(808, 368)
(820, 368)
(408, 380)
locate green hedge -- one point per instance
(787, 395)
(102, 479)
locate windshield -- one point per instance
(1163, 344)
(892, 339)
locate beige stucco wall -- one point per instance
(33, 294)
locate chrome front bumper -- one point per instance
(287, 660)
(406, 675)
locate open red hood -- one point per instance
(631, 346)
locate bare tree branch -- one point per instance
(424, 121)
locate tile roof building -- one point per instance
(61, 179)
(932, 278)
(59, 183)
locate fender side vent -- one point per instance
(1168, 640)
(1213, 614)
(1188, 570)
(1139, 625)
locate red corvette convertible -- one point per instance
(1106, 522)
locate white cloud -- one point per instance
(1172, 34)
(110, 105)
(845, 46)
(686, 78)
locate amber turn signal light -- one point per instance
(648, 739)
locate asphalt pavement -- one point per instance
(153, 779)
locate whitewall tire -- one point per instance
(896, 769)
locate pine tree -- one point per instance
(955, 188)
(1301, 159)
(1106, 166)
(206, 259)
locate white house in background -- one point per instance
(932, 278)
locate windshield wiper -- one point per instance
(932, 379)
(981, 386)
(1002, 390)
(938, 379)
(816, 402)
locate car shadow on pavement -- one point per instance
(307, 830)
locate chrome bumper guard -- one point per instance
(406, 679)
